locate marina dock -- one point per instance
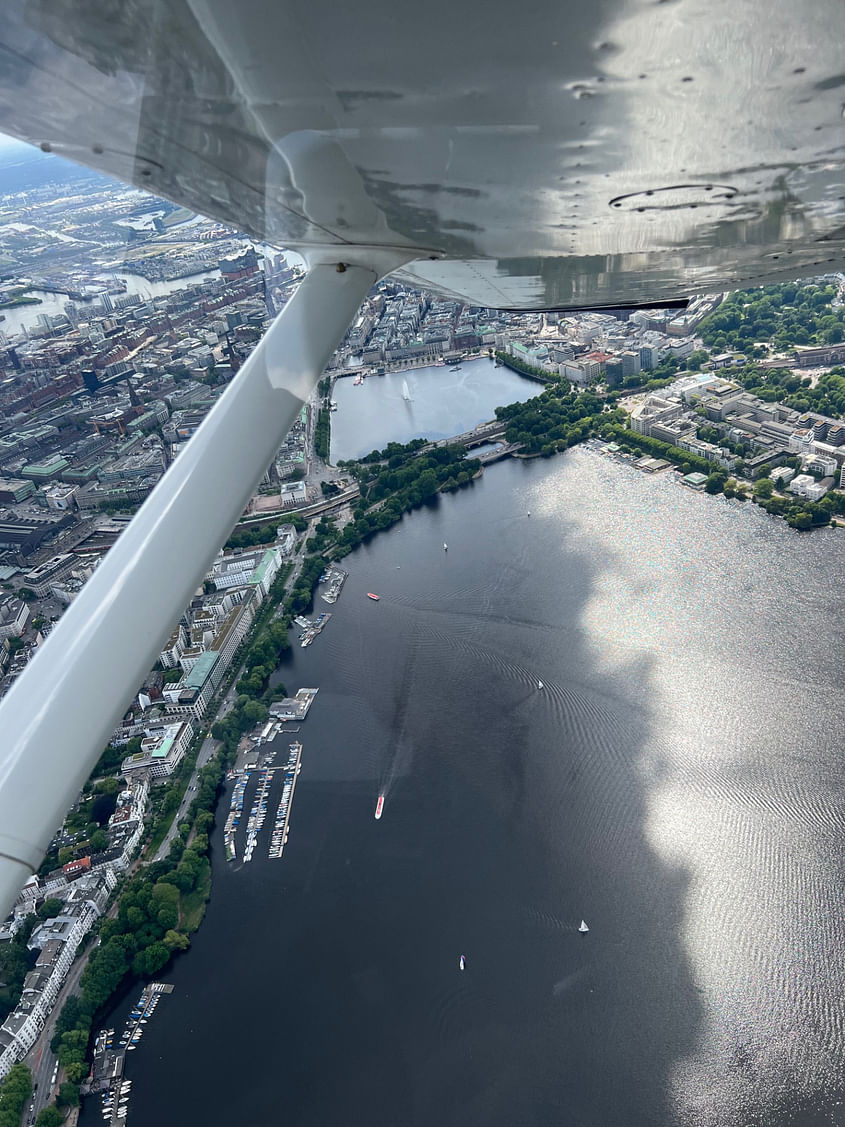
(258, 812)
(109, 1061)
(258, 808)
(313, 627)
(335, 577)
(282, 820)
(261, 758)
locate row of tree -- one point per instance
(629, 439)
(250, 536)
(148, 927)
(322, 433)
(526, 369)
(392, 450)
(262, 657)
(14, 1093)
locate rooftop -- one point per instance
(200, 670)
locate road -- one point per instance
(209, 747)
(40, 1060)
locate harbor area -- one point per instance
(253, 792)
(334, 577)
(107, 1079)
(311, 627)
(286, 716)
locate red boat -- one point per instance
(370, 595)
(379, 806)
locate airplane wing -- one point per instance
(571, 155)
(558, 155)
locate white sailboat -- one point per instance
(462, 962)
(445, 546)
(583, 928)
(540, 685)
(406, 391)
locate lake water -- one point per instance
(442, 403)
(678, 782)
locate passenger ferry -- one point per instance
(379, 806)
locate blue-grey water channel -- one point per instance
(677, 782)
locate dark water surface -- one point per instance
(678, 782)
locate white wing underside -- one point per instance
(573, 154)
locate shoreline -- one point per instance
(393, 367)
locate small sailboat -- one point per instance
(540, 685)
(445, 546)
(583, 928)
(406, 391)
(379, 806)
(462, 962)
(528, 514)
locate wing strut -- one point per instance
(57, 717)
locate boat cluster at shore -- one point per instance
(335, 577)
(258, 813)
(234, 817)
(311, 628)
(279, 837)
(116, 1096)
(258, 809)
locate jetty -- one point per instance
(335, 577)
(107, 1073)
(281, 824)
(313, 628)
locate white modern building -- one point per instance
(161, 752)
(808, 487)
